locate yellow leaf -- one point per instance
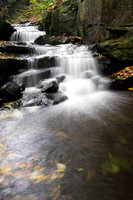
(130, 89)
(80, 169)
(61, 167)
(127, 68)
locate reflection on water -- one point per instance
(69, 151)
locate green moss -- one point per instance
(122, 54)
(82, 9)
(121, 48)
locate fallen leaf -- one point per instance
(61, 167)
(62, 134)
(130, 89)
(80, 169)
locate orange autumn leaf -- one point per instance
(62, 134)
(37, 167)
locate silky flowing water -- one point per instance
(80, 149)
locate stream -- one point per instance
(80, 149)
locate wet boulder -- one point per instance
(46, 62)
(52, 40)
(16, 48)
(61, 78)
(49, 86)
(71, 39)
(38, 99)
(6, 30)
(96, 80)
(105, 59)
(88, 74)
(11, 91)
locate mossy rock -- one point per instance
(121, 48)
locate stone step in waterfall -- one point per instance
(31, 77)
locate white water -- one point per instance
(75, 62)
(26, 33)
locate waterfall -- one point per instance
(75, 62)
(26, 33)
(80, 68)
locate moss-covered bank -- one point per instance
(121, 48)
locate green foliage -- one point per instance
(8, 106)
(39, 6)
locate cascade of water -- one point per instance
(75, 62)
(26, 33)
(80, 68)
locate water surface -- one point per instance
(69, 151)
